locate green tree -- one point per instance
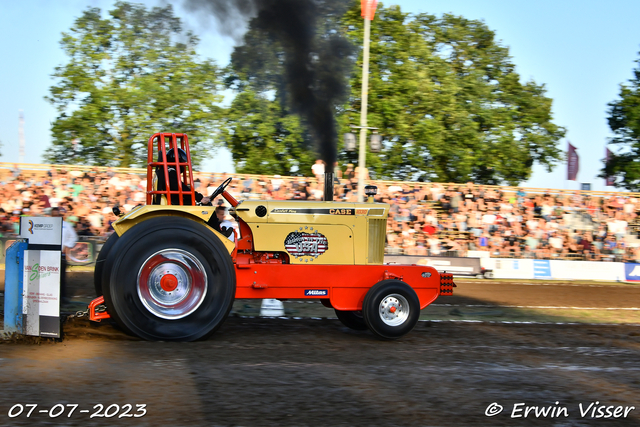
(129, 75)
(624, 121)
(445, 96)
(262, 139)
(283, 133)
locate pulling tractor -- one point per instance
(168, 273)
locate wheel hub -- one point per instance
(169, 283)
(172, 283)
(394, 309)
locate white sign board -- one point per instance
(41, 293)
(587, 270)
(512, 268)
(41, 230)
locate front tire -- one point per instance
(391, 309)
(170, 279)
(352, 319)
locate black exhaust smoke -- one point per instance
(316, 68)
(328, 186)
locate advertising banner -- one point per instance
(41, 230)
(632, 272)
(541, 269)
(511, 268)
(41, 293)
(587, 270)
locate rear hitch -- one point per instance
(97, 310)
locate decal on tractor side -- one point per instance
(332, 211)
(341, 211)
(315, 292)
(300, 244)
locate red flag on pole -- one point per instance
(368, 8)
(573, 163)
(609, 181)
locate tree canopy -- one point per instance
(129, 75)
(294, 62)
(264, 140)
(624, 122)
(443, 93)
(447, 100)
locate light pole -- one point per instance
(368, 10)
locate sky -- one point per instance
(580, 50)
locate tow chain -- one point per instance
(80, 314)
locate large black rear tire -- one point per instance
(102, 256)
(169, 279)
(391, 309)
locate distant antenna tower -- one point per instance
(21, 135)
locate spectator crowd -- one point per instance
(424, 218)
(438, 219)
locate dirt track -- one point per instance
(257, 372)
(560, 294)
(263, 372)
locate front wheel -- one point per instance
(170, 279)
(391, 309)
(352, 320)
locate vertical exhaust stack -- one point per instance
(328, 187)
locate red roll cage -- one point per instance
(186, 174)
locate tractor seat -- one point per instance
(158, 199)
(174, 185)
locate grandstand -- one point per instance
(425, 218)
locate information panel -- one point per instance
(41, 230)
(41, 293)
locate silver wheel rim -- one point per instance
(394, 309)
(172, 283)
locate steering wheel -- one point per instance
(218, 191)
